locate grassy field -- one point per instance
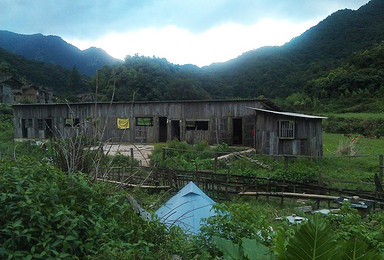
(337, 164)
(352, 168)
(357, 115)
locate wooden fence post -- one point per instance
(163, 158)
(215, 169)
(282, 196)
(227, 183)
(268, 187)
(132, 159)
(320, 183)
(286, 163)
(197, 179)
(381, 167)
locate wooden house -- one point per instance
(14, 91)
(287, 133)
(235, 122)
(8, 86)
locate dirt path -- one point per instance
(141, 152)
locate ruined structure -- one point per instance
(256, 123)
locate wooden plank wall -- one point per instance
(307, 141)
(219, 113)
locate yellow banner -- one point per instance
(122, 123)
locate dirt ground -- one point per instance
(141, 152)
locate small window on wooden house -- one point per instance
(144, 121)
(287, 129)
(196, 125)
(28, 123)
(72, 122)
(41, 124)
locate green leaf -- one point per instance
(230, 250)
(313, 240)
(59, 214)
(255, 250)
(280, 244)
(358, 249)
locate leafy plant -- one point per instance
(49, 214)
(249, 249)
(348, 147)
(313, 240)
(356, 248)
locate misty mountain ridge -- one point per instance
(54, 50)
(339, 58)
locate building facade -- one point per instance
(235, 122)
(13, 91)
(278, 133)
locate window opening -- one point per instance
(144, 121)
(196, 125)
(40, 124)
(287, 129)
(72, 122)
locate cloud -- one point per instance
(88, 19)
(181, 46)
(184, 31)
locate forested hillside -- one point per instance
(63, 82)
(54, 50)
(336, 65)
(341, 57)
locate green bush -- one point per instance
(364, 126)
(48, 214)
(185, 156)
(236, 221)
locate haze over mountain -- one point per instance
(278, 71)
(341, 58)
(54, 50)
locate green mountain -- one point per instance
(335, 65)
(54, 50)
(64, 83)
(280, 71)
(296, 73)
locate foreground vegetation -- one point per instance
(47, 212)
(336, 163)
(50, 214)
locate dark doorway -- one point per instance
(24, 130)
(175, 129)
(48, 127)
(162, 129)
(237, 124)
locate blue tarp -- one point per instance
(186, 209)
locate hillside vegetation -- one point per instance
(335, 66)
(64, 83)
(48, 213)
(54, 50)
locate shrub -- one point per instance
(48, 214)
(348, 147)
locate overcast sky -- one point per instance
(198, 32)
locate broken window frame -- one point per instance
(71, 122)
(196, 125)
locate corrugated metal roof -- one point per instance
(265, 101)
(288, 113)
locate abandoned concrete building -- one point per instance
(255, 123)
